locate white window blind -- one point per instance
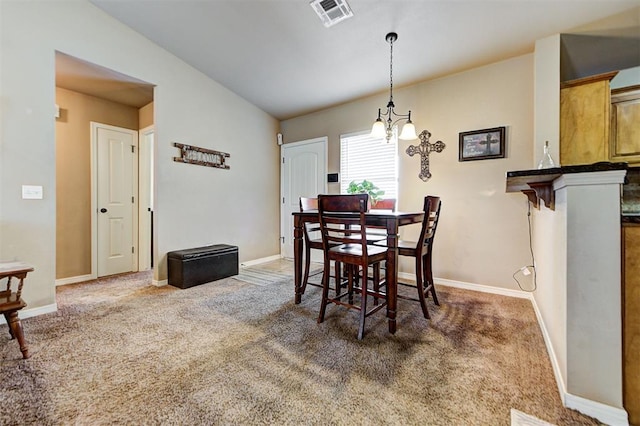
(363, 157)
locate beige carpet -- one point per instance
(120, 351)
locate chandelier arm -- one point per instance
(401, 116)
(396, 121)
(392, 113)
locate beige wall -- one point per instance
(194, 205)
(145, 116)
(482, 236)
(73, 178)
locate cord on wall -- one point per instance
(525, 269)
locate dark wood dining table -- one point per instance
(391, 221)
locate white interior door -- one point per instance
(303, 174)
(115, 194)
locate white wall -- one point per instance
(482, 236)
(194, 205)
(549, 227)
(547, 98)
(577, 251)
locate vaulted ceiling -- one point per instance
(278, 55)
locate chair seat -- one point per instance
(373, 237)
(317, 244)
(356, 250)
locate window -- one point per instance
(363, 157)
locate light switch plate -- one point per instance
(32, 192)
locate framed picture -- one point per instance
(481, 144)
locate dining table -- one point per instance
(391, 221)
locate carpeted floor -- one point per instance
(120, 351)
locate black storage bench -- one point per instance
(200, 265)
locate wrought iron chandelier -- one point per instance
(384, 128)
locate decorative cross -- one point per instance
(487, 144)
(424, 149)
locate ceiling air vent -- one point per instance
(331, 11)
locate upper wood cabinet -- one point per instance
(585, 111)
(625, 125)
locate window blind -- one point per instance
(363, 157)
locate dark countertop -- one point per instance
(520, 180)
(602, 166)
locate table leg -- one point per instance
(16, 331)
(392, 273)
(298, 223)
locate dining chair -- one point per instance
(422, 251)
(311, 204)
(375, 233)
(385, 204)
(344, 240)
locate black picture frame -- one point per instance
(474, 146)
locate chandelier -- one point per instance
(384, 128)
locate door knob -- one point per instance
(103, 210)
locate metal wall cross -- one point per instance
(424, 149)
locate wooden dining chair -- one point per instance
(11, 301)
(384, 204)
(344, 240)
(422, 251)
(311, 204)
(375, 233)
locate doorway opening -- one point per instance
(87, 93)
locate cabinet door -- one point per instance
(631, 321)
(625, 126)
(584, 123)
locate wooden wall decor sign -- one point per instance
(424, 149)
(203, 157)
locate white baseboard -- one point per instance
(471, 286)
(159, 283)
(28, 313)
(562, 388)
(73, 280)
(259, 261)
(605, 413)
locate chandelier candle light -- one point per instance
(384, 128)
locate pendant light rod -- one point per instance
(391, 38)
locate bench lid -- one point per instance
(194, 253)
